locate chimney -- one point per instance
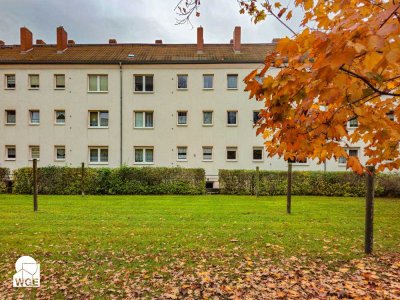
(62, 39)
(158, 42)
(276, 40)
(71, 42)
(200, 40)
(40, 42)
(112, 41)
(231, 41)
(236, 39)
(26, 39)
(2, 43)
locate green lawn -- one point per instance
(153, 231)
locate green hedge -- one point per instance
(4, 172)
(105, 181)
(242, 182)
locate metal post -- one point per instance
(257, 181)
(35, 185)
(369, 211)
(289, 189)
(83, 179)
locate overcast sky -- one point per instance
(129, 21)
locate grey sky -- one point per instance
(129, 21)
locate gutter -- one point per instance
(120, 115)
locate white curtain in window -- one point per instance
(149, 155)
(208, 81)
(103, 155)
(92, 83)
(139, 119)
(207, 117)
(149, 119)
(232, 81)
(103, 83)
(34, 80)
(138, 155)
(104, 118)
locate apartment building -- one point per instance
(134, 104)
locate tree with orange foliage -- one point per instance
(343, 64)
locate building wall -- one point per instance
(165, 101)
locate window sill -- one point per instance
(33, 89)
(98, 127)
(98, 163)
(10, 124)
(207, 160)
(10, 89)
(181, 160)
(144, 92)
(342, 165)
(34, 124)
(182, 125)
(59, 160)
(232, 89)
(182, 89)
(208, 89)
(299, 165)
(10, 159)
(97, 92)
(258, 160)
(146, 128)
(231, 125)
(143, 163)
(231, 160)
(59, 124)
(59, 89)
(208, 125)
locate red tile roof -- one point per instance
(143, 54)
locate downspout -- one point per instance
(120, 114)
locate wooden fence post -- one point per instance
(257, 181)
(289, 189)
(369, 210)
(35, 185)
(83, 179)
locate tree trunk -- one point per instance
(289, 189)
(369, 211)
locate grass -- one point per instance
(157, 229)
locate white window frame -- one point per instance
(144, 113)
(6, 116)
(30, 81)
(99, 162)
(177, 153)
(177, 118)
(301, 163)
(55, 82)
(31, 152)
(231, 148)
(212, 117)
(6, 76)
(31, 111)
(143, 91)
(56, 154)
(349, 123)
(262, 154)
(98, 76)
(227, 82)
(99, 126)
(212, 82)
(344, 163)
(55, 116)
(212, 153)
(177, 82)
(7, 147)
(227, 118)
(144, 149)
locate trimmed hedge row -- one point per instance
(242, 182)
(105, 181)
(4, 172)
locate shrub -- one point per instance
(103, 181)
(4, 172)
(242, 182)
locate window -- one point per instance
(59, 81)
(256, 116)
(98, 155)
(208, 81)
(182, 117)
(98, 119)
(298, 161)
(34, 81)
(60, 117)
(232, 118)
(182, 82)
(207, 118)
(144, 119)
(34, 152)
(144, 83)
(353, 123)
(257, 153)
(351, 152)
(231, 153)
(34, 117)
(60, 153)
(390, 115)
(207, 153)
(182, 153)
(232, 81)
(144, 155)
(10, 81)
(11, 153)
(11, 117)
(98, 83)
